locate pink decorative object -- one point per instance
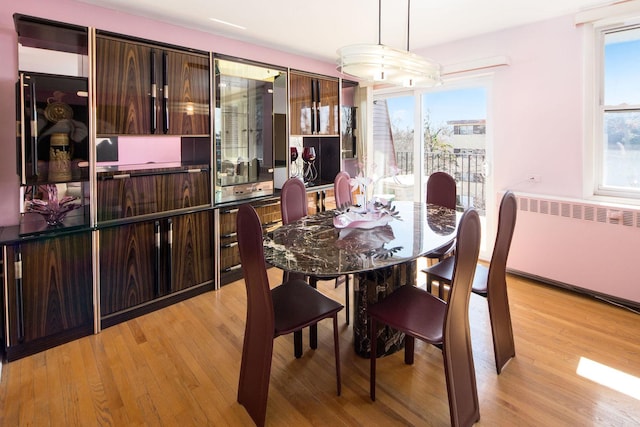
(366, 220)
(52, 209)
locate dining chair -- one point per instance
(441, 191)
(286, 308)
(293, 200)
(344, 197)
(419, 314)
(342, 190)
(491, 282)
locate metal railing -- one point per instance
(466, 168)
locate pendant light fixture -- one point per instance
(384, 64)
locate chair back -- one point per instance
(462, 388)
(342, 189)
(441, 190)
(496, 292)
(506, 226)
(260, 324)
(293, 200)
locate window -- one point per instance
(617, 154)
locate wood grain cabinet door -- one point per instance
(314, 103)
(301, 104)
(144, 261)
(191, 253)
(124, 88)
(129, 271)
(328, 106)
(187, 103)
(144, 89)
(50, 289)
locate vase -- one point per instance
(59, 158)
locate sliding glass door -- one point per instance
(416, 133)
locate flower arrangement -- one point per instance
(53, 210)
(364, 184)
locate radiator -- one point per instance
(591, 247)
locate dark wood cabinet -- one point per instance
(49, 293)
(320, 200)
(131, 193)
(191, 251)
(314, 104)
(143, 89)
(142, 262)
(129, 266)
(229, 260)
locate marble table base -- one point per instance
(369, 288)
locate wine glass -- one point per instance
(295, 169)
(309, 156)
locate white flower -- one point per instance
(360, 182)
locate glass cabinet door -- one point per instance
(244, 128)
(53, 134)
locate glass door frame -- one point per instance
(491, 210)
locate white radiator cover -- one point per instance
(591, 246)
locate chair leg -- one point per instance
(313, 329)
(346, 293)
(346, 297)
(429, 282)
(372, 357)
(441, 290)
(297, 344)
(409, 346)
(336, 345)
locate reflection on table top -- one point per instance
(313, 245)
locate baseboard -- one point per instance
(633, 306)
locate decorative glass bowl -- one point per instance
(53, 210)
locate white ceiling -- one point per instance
(317, 29)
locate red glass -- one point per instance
(309, 154)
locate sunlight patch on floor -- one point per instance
(609, 377)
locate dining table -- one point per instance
(379, 246)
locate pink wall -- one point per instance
(536, 114)
(86, 15)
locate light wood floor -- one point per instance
(179, 366)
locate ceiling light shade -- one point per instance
(381, 63)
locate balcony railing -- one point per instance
(466, 168)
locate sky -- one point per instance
(459, 104)
(622, 67)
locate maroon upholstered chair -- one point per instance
(270, 313)
(293, 206)
(491, 282)
(342, 189)
(441, 191)
(293, 200)
(419, 314)
(343, 195)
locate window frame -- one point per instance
(595, 90)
